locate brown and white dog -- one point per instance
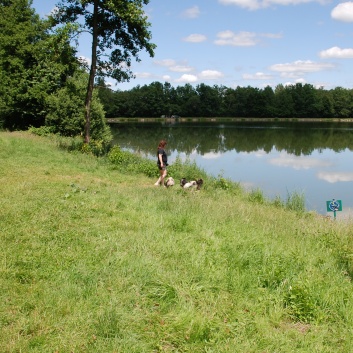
(169, 182)
(191, 184)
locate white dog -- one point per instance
(169, 182)
(191, 184)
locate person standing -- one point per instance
(162, 162)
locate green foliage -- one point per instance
(66, 112)
(225, 184)
(295, 202)
(290, 102)
(69, 143)
(96, 147)
(119, 31)
(300, 302)
(42, 130)
(122, 31)
(257, 196)
(129, 162)
(33, 64)
(278, 202)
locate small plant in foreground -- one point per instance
(295, 202)
(256, 196)
(300, 302)
(222, 183)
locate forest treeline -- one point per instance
(43, 84)
(285, 101)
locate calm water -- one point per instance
(314, 159)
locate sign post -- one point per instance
(333, 206)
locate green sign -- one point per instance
(334, 205)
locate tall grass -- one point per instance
(97, 259)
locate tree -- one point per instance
(33, 64)
(119, 30)
(210, 98)
(66, 114)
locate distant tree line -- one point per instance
(290, 101)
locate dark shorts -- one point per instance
(162, 168)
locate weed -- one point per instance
(295, 202)
(257, 196)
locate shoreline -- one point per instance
(225, 119)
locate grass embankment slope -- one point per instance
(93, 260)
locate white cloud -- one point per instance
(180, 68)
(195, 38)
(243, 39)
(240, 39)
(300, 67)
(260, 4)
(192, 12)
(211, 74)
(337, 53)
(257, 76)
(165, 62)
(143, 74)
(334, 177)
(343, 12)
(173, 66)
(295, 162)
(166, 78)
(186, 78)
(298, 80)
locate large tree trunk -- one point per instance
(92, 74)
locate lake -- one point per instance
(310, 158)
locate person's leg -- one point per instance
(159, 181)
(163, 175)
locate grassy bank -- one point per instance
(95, 260)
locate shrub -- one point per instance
(129, 162)
(222, 183)
(300, 302)
(42, 131)
(120, 158)
(66, 112)
(295, 202)
(256, 196)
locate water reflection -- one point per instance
(277, 157)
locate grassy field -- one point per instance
(95, 260)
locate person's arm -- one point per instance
(160, 159)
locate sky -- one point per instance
(233, 43)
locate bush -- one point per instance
(42, 131)
(66, 113)
(129, 162)
(300, 302)
(256, 196)
(295, 202)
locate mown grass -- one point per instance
(94, 259)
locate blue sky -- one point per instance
(243, 43)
